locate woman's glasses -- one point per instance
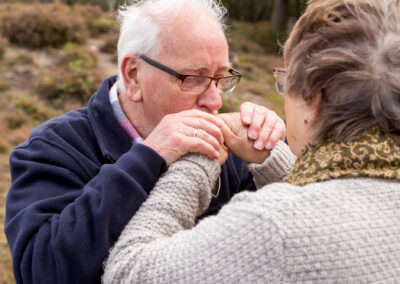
(280, 80)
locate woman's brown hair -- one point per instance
(350, 51)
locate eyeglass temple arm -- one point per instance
(176, 74)
(162, 67)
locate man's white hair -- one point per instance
(142, 21)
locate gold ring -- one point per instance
(195, 133)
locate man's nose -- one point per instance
(211, 98)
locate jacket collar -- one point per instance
(112, 139)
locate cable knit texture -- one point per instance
(275, 168)
(336, 231)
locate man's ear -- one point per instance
(129, 70)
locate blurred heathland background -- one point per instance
(54, 54)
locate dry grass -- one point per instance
(3, 46)
(6, 275)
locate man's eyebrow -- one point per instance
(225, 66)
(198, 67)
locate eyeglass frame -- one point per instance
(275, 72)
(182, 77)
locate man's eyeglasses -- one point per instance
(197, 84)
(280, 80)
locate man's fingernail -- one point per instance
(268, 146)
(253, 134)
(246, 119)
(258, 145)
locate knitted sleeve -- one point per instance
(276, 167)
(161, 245)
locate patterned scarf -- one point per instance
(372, 154)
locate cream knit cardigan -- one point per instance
(337, 231)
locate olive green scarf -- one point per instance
(372, 154)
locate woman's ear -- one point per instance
(129, 70)
(313, 108)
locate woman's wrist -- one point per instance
(276, 167)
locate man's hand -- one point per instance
(265, 126)
(184, 132)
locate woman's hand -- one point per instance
(224, 151)
(266, 128)
(236, 138)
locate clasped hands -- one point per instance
(250, 134)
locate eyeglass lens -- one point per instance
(198, 84)
(228, 84)
(280, 78)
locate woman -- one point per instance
(333, 215)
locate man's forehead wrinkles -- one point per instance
(196, 66)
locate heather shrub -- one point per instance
(78, 56)
(4, 86)
(105, 25)
(19, 135)
(59, 84)
(3, 145)
(21, 59)
(110, 43)
(31, 107)
(4, 9)
(16, 120)
(43, 25)
(89, 12)
(74, 79)
(3, 46)
(97, 22)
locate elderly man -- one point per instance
(80, 177)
